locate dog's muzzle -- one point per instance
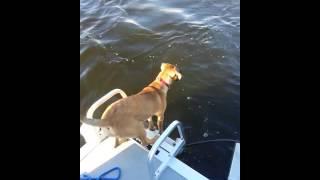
(177, 77)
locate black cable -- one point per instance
(212, 140)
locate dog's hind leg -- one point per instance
(120, 141)
(160, 122)
(117, 143)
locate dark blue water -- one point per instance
(123, 43)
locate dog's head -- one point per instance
(171, 71)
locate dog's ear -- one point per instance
(163, 66)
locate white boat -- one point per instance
(132, 161)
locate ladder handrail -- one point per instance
(94, 135)
(102, 100)
(181, 142)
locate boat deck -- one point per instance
(132, 159)
(98, 155)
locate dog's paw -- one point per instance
(152, 128)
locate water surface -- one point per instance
(123, 43)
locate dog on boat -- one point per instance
(125, 118)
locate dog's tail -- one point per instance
(91, 121)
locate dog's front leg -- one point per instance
(160, 123)
(145, 140)
(151, 125)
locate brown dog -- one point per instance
(125, 117)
